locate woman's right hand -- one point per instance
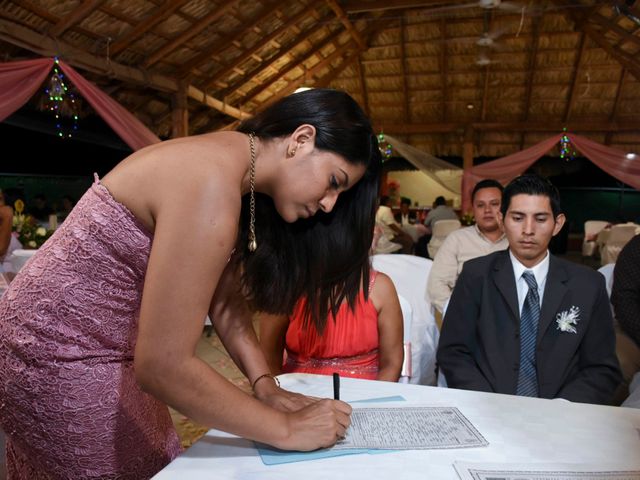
(318, 425)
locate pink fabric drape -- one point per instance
(127, 126)
(20, 80)
(612, 161)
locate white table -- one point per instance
(519, 430)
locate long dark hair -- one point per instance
(323, 258)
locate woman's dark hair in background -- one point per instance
(531, 184)
(323, 258)
(11, 195)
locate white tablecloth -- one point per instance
(518, 430)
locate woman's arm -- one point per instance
(182, 275)
(390, 328)
(273, 332)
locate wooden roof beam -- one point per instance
(250, 51)
(629, 125)
(189, 33)
(337, 9)
(363, 87)
(77, 15)
(159, 15)
(48, 47)
(406, 113)
(443, 68)
(574, 78)
(349, 49)
(616, 103)
(358, 6)
(627, 61)
(611, 25)
(297, 63)
(218, 47)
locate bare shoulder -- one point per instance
(383, 289)
(190, 176)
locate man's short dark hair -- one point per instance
(384, 199)
(488, 183)
(440, 201)
(531, 184)
(405, 201)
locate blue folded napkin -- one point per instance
(273, 456)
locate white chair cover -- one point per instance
(409, 275)
(20, 257)
(441, 229)
(607, 272)
(407, 315)
(591, 229)
(618, 238)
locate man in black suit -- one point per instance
(523, 322)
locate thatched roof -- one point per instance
(419, 67)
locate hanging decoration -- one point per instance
(385, 147)
(567, 152)
(62, 103)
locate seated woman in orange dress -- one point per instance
(363, 342)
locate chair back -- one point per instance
(607, 272)
(407, 315)
(618, 238)
(409, 275)
(440, 230)
(20, 257)
(591, 229)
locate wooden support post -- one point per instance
(180, 114)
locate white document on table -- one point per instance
(410, 428)
(548, 471)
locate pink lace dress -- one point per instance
(69, 402)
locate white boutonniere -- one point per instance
(568, 320)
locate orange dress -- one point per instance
(348, 346)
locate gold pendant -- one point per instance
(253, 245)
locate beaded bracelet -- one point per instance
(253, 385)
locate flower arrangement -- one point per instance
(467, 219)
(30, 234)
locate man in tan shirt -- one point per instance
(470, 242)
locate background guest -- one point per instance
(362, 342)
(524, 322)
(391, 230)
(440, 211)
(625, 298)
(466, 243)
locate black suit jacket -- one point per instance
(479, 345)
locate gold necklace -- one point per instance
(252, 199)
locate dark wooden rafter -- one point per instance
(297, 63)
(625, 36)
(616, 103)
(218, 47)
(406, 114)
(189, 33)
(486, 73)
(158, 15)
(358, 6)
(337, 9)
(443, 68)
(630, 125)
(363, 86)
(531, 65)
(581, 22)
(348, 52)
(76, 16)
(575, 75)
(225, 70)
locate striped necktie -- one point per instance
(529, 318)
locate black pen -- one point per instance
(336, 386)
